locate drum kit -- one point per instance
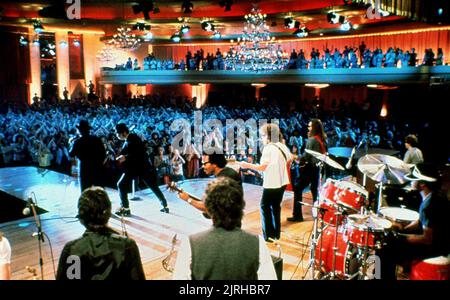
(347, 233)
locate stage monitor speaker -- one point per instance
(278, 264)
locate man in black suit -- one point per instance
(91, 154)
(136, 164)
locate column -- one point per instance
(62, 62)
(35, 69)
(91, 45)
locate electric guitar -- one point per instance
(172, 186)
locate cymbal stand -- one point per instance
(380, 197)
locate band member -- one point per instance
(309, 171)
(213, 164)
(136, 164)
(274, 160)
(413, 154)
(5, 258)
(427, 237)
(91, 154)
(224, 252)
(102, 253)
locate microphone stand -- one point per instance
(39, 234)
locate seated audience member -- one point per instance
(224, 252)
(103, 254)
(5, 258)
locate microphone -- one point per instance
(27, 210)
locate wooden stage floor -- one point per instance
(153, 231)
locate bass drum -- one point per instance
(347, 262)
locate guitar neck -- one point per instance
(189, 194)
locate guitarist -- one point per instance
(309, 171)
(213, 164)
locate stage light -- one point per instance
(148, 36)
(290, 23)
(187, 6)
(302, 32)
(76, 43)
(63, 44)
(36, 42)
(176, 37)
(23, 41)
(142, 26)
(207, 26)
(440, 11)
(145, 7)
(346, 26)
(52, 52)
(185, 29)
(37, 25)
(217, 35)
(227, 4)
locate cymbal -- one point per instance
(325, 158)
(340, 151)
(384, 168)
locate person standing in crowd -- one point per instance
(274, 161)
(429, 236)
(309, 171)
(213, 164)
(91, 154)
(103, 254)
(224, 252)
(176, 166)
(136, 164)
(413, 154)
(5, 258)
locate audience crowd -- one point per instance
(349, 57)
(42, 134)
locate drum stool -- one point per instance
(436, 268)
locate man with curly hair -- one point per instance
(225, 251)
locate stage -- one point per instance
(153, 231)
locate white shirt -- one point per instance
(182, 271)
(276, 174)
(5, 252)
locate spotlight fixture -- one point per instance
(36, 42)
(334, 18)
(187, 6)
(207, 26)
(76, 43)
(185, 28)
(176, 37)
(37, 25)
(148, 36)
(227, 4)
(301, 32)
(217, 35)
(63, 44)
(52, 52)
(145, 7)
(346, 26)
(290, 23)
(23, 41)
(142, 26)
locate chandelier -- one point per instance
(255, 50)
(125, 40)
(106, 54)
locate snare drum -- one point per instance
(351, 195)
(366, 230)
(399, 215)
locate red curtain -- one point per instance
(418, 40)
(76, 58)
(15, 74)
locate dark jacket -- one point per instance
(90, 151)
(135, 152)
(102, 255)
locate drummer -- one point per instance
(427, 237)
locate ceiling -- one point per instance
(106, 15)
